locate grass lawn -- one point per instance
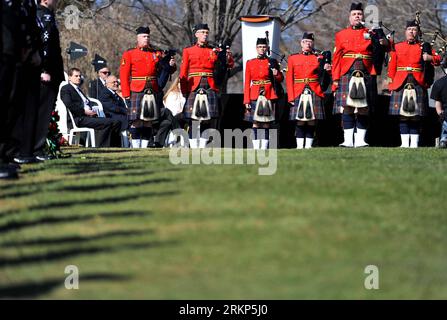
(139, 227)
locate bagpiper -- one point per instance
(262, 74)
(198, 84)
(141, 72)
(306, 72)
(409, 85)
(354, 76)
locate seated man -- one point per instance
(113, 105)
(106, 130)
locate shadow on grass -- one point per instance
(75, 239)
(74, 252)
(18, 225)
(35, 289)
(99, 151)
(106, 186)
(104, 201)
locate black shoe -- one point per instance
(14, 165)
(41, 158)
(24, 160)
(154, 145)
(8, 173)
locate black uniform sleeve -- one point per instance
(436, 92)
(47, 21)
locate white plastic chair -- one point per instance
(62, 111)
(73, 133)
(98, 107)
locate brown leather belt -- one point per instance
(144, 78)
(260, 82)
(200, 74)
(409, 69)
(357, 56)
(305, 80)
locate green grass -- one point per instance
(138, 227)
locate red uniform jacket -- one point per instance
(407, 56)
(258, 70)
(197, 59)
(351, 42)
(300, 69)
(137, 64)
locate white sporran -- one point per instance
(409, 106)
(305, 110)
(264, 111)
(200, 109)
(149, 109)
(357, 91)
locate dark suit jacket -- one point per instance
(72, 101)
(95, 88)
(114, 107)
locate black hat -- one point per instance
(356, 6)
(201, 26)
(309, 36)
(412, 23)
(99, 62)
(141, 30)
(261, 41)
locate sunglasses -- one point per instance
(105, 72)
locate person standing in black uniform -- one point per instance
(52, 74)
(27, 91)
(20, 42)
(9, 52)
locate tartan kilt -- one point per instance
(134, 111)
(318, 105)
(213, 102)
(249, 115)
(342, 92)
(398, 95)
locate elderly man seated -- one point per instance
(106, 130)
(113, 105)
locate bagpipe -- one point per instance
(221, 67)
(427, 47)
(323, 75)
(164, 69)
(274, 64)
(380, 54)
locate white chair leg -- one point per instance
(87, 140)
(92, 139)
